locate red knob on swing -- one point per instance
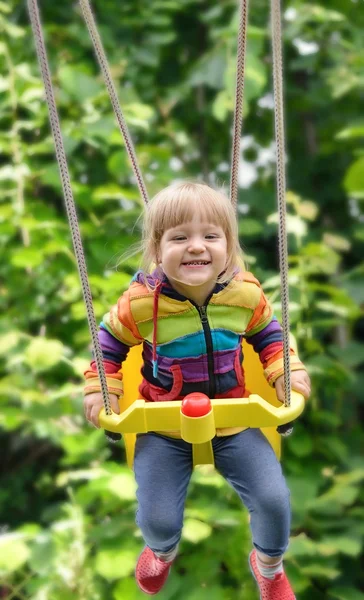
(196, 405)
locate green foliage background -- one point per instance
(67, 500)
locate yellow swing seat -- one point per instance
(139, 416)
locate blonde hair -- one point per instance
(177, 204)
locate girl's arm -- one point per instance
(265, 334)
(117, 334)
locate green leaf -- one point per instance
(355, 130)
(112, 192)
(301, 442)
(126, 589)
(298, 580)
(50, 176)
(346, 593)
(209, 70)
(43, 354)
(256, 76)
(14, 552)
(44, 554)
(337, 242)
(115, 563)
(14, 31)
(160, 38)
(27, 258)
(10, 417)
(303, 492)
(138, 115)
(301, 545)
(331, 307)
(354, 476)
(354, 179)
(320, 258)
(100, 127)
(320, 571)
(9, 341)
(195, 531)
(250, 227)
(222, 106)
(123, 486)
(119, 167)
(332, 545)
(77, 83)
(64, 478)
(338, 496)
(4, 7)
(353, 355)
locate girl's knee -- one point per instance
(159, 528)
(274, 499)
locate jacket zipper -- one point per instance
(209, 348)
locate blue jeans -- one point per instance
(163, 468)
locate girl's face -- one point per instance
(193, 255)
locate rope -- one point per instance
(281, 188)
(68, 196)
(103, 62)
(239, 98)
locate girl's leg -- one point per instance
(249, 464)
(163, 468)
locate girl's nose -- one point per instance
(196, 245)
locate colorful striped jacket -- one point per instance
(194, 349)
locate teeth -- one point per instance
(198, 262)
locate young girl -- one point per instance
(191, 314)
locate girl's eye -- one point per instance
(211, 236)
(179, 238)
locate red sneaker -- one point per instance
(151, 572)
(278, 588)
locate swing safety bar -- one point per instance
(253, 411)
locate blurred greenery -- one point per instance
(67, 500)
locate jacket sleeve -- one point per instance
(265, 334)
(117, 334)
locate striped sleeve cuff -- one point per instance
(276, 369)
(115, 386)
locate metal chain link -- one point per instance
(239, 99)
(281, 188)
(67, 191)
(104, 65)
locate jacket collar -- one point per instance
(169, 291)
(158, 279)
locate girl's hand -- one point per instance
(300, 382)
(93, 403)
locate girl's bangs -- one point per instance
(186, 203)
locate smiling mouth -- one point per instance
(196, 263)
